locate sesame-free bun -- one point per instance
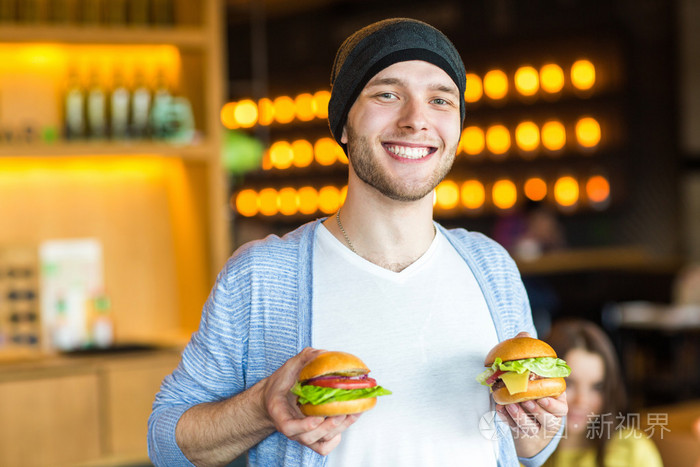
(536, 389)
(518, 348)
(335, 363)
(338, 408)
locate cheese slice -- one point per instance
(515, 382)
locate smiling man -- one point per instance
(420, 304)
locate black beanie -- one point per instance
(379, 45)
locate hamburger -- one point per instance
(336, 383)
(523, 368)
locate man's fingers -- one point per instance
(525, 422)
(326, 431)
(557, 406)
(548, 421)
(325, 447)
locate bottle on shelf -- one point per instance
(8, 11)
(119, 107)
(102, 325)
(96, 107)
(162, 97)
(138, 12)
(74, 106)
(90, 12)
(163, 12)
(140, 106)
(115, 12)
(28, 11)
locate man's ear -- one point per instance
(344, 135)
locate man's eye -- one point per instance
(386, 95)
(440, 101)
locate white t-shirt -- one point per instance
(424, 333)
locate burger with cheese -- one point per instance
(523, 368)
(336, 383)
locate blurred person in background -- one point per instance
(599, 432)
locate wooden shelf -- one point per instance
(203, 151)
(596, 259)
(183, 37)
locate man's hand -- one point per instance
(318, 433)
(534, 423)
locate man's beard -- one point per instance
(365, 164)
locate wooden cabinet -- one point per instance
(67, 411)
(159, 209)
(49, 420)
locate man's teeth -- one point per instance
(408, 152)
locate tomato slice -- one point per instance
(345, 383)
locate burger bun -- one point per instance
(338, 408)
(536, 389)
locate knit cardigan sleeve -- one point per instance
(250, 326)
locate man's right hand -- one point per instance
(318, 433)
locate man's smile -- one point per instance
(409, 152)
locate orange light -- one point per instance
(325, 151)
(246, 113)
(504, 194)
(321, 99)
(566, 191)
(228, 118)
(583, 75)
(496, 84)
(288, 201)
(268, 202)
(527, 81)
(328, 199)
(303, 153)
(598, 189)
(247, 203)
(305, 107)
(447, 194)
(497, 139)
(340, 154)
(308, 200)
(553, 135)
(266, 111)
(473, 194)
(281, 155)
(588, 132)
(285, 110)
(535, 189)
(527, 136)
(266, 161)
(472, 140)
(551, 78)
(474, 89)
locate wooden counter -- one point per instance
(82, 409)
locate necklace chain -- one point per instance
(345, 234)
(347, 239)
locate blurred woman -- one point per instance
(598, 430)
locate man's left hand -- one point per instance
(534, 423)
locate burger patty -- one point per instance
(499, 384)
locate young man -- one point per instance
(421, 305)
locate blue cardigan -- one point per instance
(259, 315)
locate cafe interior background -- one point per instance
(141, 142)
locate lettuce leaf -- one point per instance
(309, 394)
(548, 367)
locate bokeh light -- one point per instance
(504, 194)
(496, 84)
(473, 194)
